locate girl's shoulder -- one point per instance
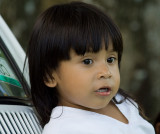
(126, 101)
(67, 120)
(128, 107)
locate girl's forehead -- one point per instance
(108, 48)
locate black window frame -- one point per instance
(19, 74)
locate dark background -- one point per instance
(138, 21)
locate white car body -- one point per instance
(12, 44)
(15, 118)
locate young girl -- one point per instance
(74, 58)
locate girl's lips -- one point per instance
(104, 91)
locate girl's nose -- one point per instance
(104, 72)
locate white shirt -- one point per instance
(67, 120)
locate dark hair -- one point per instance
(75, 25)
(157, 120)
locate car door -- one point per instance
(17, 114)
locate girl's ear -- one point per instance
(51, 83)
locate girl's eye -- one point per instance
(87, 61)
(111, 60)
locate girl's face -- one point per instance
(89, 81)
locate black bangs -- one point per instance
(67, 27)
(92, 28)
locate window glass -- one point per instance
(9, 83)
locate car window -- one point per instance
(9, 83)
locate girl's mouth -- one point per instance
(104, 91)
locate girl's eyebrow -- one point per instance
(112, 50)
(92, 53)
